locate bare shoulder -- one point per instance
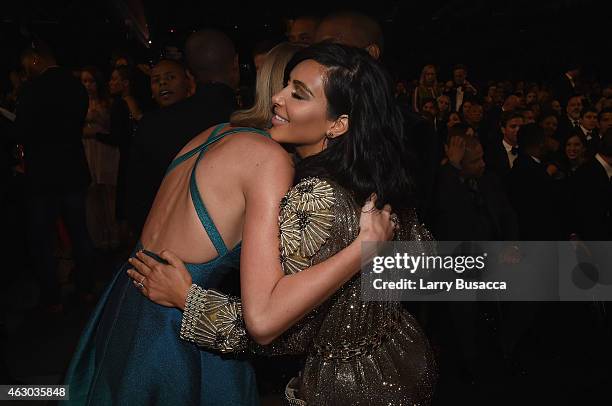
(200, 139)
(257, 149)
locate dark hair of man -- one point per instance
(507, 116)
(39, 49)
(459, 66)
(602, 112)
(370, 156)
(178, 64)
(530, 135)
(605, 147)
(573, 96)
(210, 55)
(588, 109)
(367, 28)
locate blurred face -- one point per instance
(337, 31)
(300, 110)
(459, 76)
(116, 85)
(430, 76)
(473, 164)
(549, 125)
(89, 83)
(589, 120)
(607, 91)
(556, 106)
(491, 92)
(605, 123)
(465, 107)
(169, 83)
(531, 97)
(475, 114)
(511, 130)
(302, 31)
(574, 148)
(512, 103)
(443, 103)
(430, 108)
(453, 119)
(529, 117)
(574, 108)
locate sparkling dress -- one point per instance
(356, 352)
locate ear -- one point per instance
(339, 127)
(373, 50)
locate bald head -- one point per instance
(211, 56)
(353, 29)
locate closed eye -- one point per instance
(296, 95)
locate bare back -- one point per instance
(221, 176)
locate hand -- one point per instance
(166, 285)
(552, 169)
(455, 151)
(374, 224)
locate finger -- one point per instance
(140, 267)
(135, 275)
(387, 208)
(370, 204)
(148, 261)
(143, 289)
(172, 258)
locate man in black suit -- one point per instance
(49, 124)
(502, 150)
(571, 119)
(592, 194)
(471, 204)
(565, 86)
(462, 89)
(588, 128)
(213, 62)
(531, 190)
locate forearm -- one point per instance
(213, 321)
(293, 296)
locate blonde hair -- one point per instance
(422, 78)
(270, 80)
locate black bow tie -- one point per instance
(514, 150)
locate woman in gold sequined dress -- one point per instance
(338, 111)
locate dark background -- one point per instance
(520, 39)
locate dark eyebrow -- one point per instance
(298, 83)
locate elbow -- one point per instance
(261, 330)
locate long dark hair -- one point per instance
(370, 156)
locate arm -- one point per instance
(272, 301)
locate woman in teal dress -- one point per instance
(216, 208)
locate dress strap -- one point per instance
(182, 158)
(196, 197)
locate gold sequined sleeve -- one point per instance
(214, 320)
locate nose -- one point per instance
(278, 99)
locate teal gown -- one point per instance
(130, 352)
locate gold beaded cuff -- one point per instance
(213, 320)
